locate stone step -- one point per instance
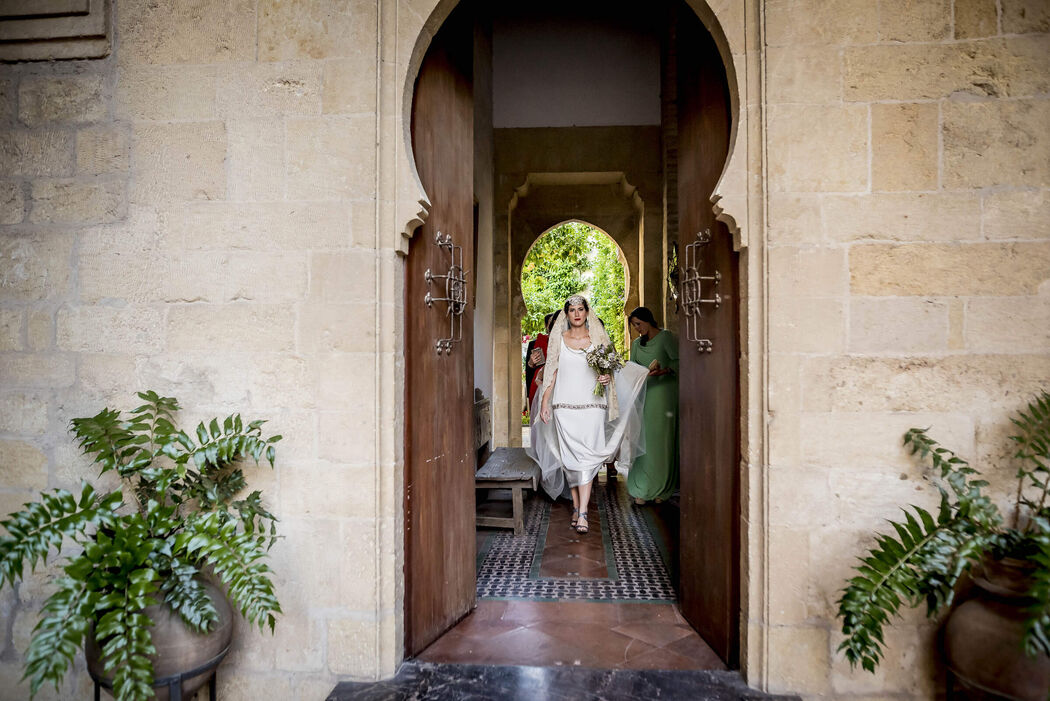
(448, 682)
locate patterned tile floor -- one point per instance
(618, 560)
(602, 600)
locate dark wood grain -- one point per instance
(439, 389)
(709, 401)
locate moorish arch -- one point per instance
(737, 201)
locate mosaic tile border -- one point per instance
(637, 569)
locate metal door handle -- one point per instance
(693, 299)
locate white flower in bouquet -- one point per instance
(604, 360)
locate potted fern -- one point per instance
(999, 639)
(147, 548)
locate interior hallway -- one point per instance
(602, 600)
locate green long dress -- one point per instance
(654, 475)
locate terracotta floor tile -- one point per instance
(694, 648)
(660, 658)
(593, 644)
(656, 634)
(585, 611)
(526, 612)
(652, 613)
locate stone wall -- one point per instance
(195, 214)
(908, 207)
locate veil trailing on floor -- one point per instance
(623, 437)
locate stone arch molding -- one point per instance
(417, 21)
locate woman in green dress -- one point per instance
(654, 475)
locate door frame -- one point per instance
(405, 32)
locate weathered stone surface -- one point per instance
(164, 93)
(63, 99)
(35, 267)
(37, 370)
(255, 161)
(266, 277)
(1011, 67)
(103, 150)
(945, 269)
(942, 216)
(1016, 215)
(914, 20)
(178, 162)
(349, 85)
(11, 337)
(252, 685)
(144, 279)
(996, 143)
(186, 32)
(128, 329)
(1022, 16)
(231, 327)
(1008, 325)
(352, 647)
(909, 668)
(898, 325)
(40, 330)
(799, 659)
(23, 413)
(793, 219)
(258, 226)
(35, 153)
(805, 272)
(801, 325)
(804, 74)
(976, 18)
(302, 29)
(818, 148)
(904, 146)
(8, 100)
(25, 465)
(834, 22)
(330, 327)
(270, 89)
(326, 158)
(77, 201)
(847, 442)
(12, 203)
(987, 383)
(343, 277)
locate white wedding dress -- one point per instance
(579, 438)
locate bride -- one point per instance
(578, 431)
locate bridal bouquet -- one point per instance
(604, 360)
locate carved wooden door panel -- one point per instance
(439, 366)
(709, 401)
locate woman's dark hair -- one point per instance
(643, 314)
(586, 307)
(548, 321)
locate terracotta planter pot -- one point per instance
(179, 649)
(983, 636)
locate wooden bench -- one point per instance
(508, 468)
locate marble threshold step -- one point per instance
(459, 682)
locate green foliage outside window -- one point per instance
(574, 258)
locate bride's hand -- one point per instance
(605, 379)
(545, 414)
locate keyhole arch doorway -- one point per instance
(708, 104)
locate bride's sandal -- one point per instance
(575, 518)
(581, 523)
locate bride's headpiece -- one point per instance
(576, 299)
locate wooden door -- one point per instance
(439, 387)
(709, 400)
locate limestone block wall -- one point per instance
(908, 194)
(196, 214)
